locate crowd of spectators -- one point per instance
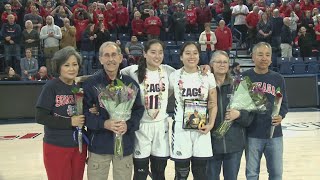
(45, 26)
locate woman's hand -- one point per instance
(206, 128)
(77, 121)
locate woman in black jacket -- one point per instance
(228, 149)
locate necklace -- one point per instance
(153, 101)
(180, 84)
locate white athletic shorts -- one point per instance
(189, 143)
(152, 139)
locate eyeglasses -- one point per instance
(112, 55)
(221, 62)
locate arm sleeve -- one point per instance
(59, 34)
(245, 118)
(43, 116)
(93, 121)
(43, 33)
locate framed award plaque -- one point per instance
(195, 114)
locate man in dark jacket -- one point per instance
(102, 128)
(11, 33)
(286, 39)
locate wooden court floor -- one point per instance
(21, 150)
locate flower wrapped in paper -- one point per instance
(245, 96)
(78, 134)
(118, 99)
(276, 108)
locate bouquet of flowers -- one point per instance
(245, 96)
(118, 99)
(276, 108)
(78, 96)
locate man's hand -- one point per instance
(115, 126)
(276, 120)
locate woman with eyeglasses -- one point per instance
(227, 151)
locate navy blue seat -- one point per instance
(175, 61)
(170, 45)
(189, 37)
(180, 43)
(124, 37)
(299, 68)
(285, 68)
(312, 60)
(313, 68)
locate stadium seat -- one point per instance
(124, 37)
(285, 67)
(166, 58)
(190, 37)
(281, 60)
(296, 60)
(113, 37)
(296, 52)
(313, 68)
(180, 43)
(170, 45)
(312, 60)
(175, 58)
(299, 68)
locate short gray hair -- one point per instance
(260, 44)
(216, 53)
(106, 44)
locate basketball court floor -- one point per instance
(21, 150)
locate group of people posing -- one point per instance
(146, 133)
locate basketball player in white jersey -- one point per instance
(152, 138)
(191, 144)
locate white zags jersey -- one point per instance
(153, 79)
(190, 90)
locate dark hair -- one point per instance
(63, 55)
(183, 47)
(142, 65)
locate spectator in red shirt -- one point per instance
(122, 17)
(8, 11)
(110, 18)
(79, 6)
(204, 15)
(285, 9)
(252, 20)
(191, 20)
(306, 5)
(224, 37)
(137, 26)
(81, 21)
(152, 25)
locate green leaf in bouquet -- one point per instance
(241, 98)
(120, 83)
(75, 90)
